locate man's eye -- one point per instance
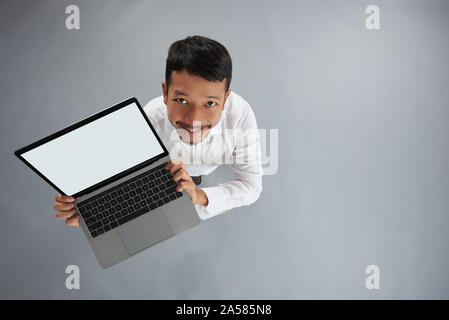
(211, 104)
(181, 100)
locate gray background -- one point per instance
(363, 147)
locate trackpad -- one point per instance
(145, 231)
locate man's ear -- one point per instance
(164, 91)
(226, 96)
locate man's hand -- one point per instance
(185, 182)
(66, 210)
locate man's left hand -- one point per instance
(185, 182)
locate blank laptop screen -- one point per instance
(96, 151)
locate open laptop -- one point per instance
(112, 163)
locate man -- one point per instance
(203, 124)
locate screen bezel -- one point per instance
(81, 123)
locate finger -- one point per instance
(65, 214)
(173, 162)
(175, 167)
(169, 165)
(73, 221)
(184, 185)
(63, 206)
(181, 175)
(61, 198)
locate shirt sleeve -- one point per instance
(247, 169)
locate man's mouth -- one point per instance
(194, 130)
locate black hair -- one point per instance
(199, 56)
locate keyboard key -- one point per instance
(170, 190)
(90, 221)
(170, 183)
(101, 208)
(139, 190)
(105, 221)
(145, 180)
(83, 210)
(139, 183)
(88, 206)
(95, 225)
(117, 207)
(120, 192)
(87, 215)
(114, 224)
(153, 205)
(136, 199)
(160, 203)
(126, 189)
(142, 203)
(107, 197)
(113, 202)
(133, 193)
(132, 186)
(130, 209)
(111, 219)
(100, 230)
(166, 200)
(94, 234)
(118, 215)
(107, 205)
(178, 194)
(107, 228)
(133, 215)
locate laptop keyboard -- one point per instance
(128, 200)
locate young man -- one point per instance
(203, 124)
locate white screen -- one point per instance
(96, 151)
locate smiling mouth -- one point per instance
(194, 130)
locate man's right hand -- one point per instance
(66, 210)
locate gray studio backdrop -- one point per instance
(363, 125)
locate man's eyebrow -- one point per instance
(180, 93)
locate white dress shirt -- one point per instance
(233, 140)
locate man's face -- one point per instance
(194, 104)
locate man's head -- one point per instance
(197, 78)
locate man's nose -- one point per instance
(194, 116)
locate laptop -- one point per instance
(112, 163)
